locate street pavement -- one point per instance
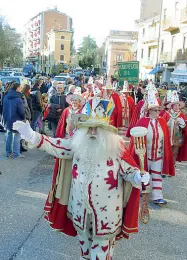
(25, 235)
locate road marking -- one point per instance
(32, 194)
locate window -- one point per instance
(62, 37)
(61, 57)
(165, 14)
(185, 41)
(143, 32)
(162, 46)
(149, 53)
(62, 47)
(119, 57)
(142, 52)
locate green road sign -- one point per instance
(128, 70)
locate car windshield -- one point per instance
(5, 80)
(17, 74)
(4, 73)
(63, 74)
(59, 78)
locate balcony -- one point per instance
(165, 57)
(184, 15)
(152, 38)
(170, 24)
(148, 63)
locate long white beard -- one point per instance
(105, 145)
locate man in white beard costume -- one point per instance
(100, 195)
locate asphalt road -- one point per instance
(24, 234)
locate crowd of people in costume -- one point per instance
(98, 180)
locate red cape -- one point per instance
(56, 213)
(116, 117)
(131, 105)
(135, 116)
(182, 154)
(168, 162)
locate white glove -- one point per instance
(26, 131)
(181, 122)
(138, 178)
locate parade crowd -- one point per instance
(99, 175)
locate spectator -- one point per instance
(71, 90)
(36, 104)
(27, 101)
(52, 91)
(58, 104)
(48, 83)
(44, 87)
(13, 110)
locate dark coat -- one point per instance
(26, 108)
(56, 102)
(36, 99)
(13, 108)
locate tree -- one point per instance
(10, 45)
(87, 53)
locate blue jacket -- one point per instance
(13, 108)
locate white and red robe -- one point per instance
(178, 137)
(103, 195)
(128, 106)
(158, 158)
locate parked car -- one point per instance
(17, 74)
(20, 80)
(60, 78)
(4, 73)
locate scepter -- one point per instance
(138, 134)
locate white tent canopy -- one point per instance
(179, 74)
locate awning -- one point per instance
(179, 74)
(155, 70)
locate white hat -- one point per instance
(96, 90)
(90, 81)
(174, 99)
(76, 95)
(151, 86)
(108, 85)
(126, 87)
(152, 100)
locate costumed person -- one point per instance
(176, 121)
(88, 94)
(141, 108)
(99, 195)
(111, 95)
(128, 106)
(166, 101)
(159, 158)
(66, 124)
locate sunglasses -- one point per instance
(155, 110)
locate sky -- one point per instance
(95, 18)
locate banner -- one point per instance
(128, 70)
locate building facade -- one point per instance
(173, 41)
(35, 34)
(119, 46)
(149, 9)
(148, 42)
(58, 50)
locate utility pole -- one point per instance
(160, 25)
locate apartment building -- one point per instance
(58, 50)
(120, 46)
(148, 42)
(173, 41)
(35, 34)
(149, 9)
